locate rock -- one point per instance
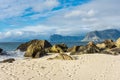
(91, 48)
(48, 50)
(10, 60)
(107, 44)
(43, 43)
(1, 50)
(24, 46)
(62, 57)
(58, 48)
(76, 50)
(34, 51)
(113, 51)
(118, 43)
(37, 49)
(101, 45)
(73, 49)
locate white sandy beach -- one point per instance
(87, 67)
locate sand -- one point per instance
(87, 67)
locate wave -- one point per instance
(17, 54)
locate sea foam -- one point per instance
(17, 54)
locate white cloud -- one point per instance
(94, 15)
(74, 13)
(91, 13)
(28, 32)
(14, 8)
(79, 13)
(89, 19)
(42, 5)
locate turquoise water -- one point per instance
(9, 46)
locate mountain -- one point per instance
(98, 36)
(60, 38)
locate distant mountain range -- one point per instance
(98, 36)
(60, 38)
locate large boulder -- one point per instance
(58, 48)
(91, 48)
(118, 43)
(43, 43)
(62, 57)
(76, 50)
(37, 49)
(113, 51)
(101, 45)
(24, 46)
(107, 44)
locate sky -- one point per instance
(31, 19)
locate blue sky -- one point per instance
(29, 19)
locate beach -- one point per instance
(59, 40)
(86, 67)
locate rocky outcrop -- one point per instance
(10, 60)
(106, 47)
(107, 44)
(101, 46)
(118, 43)
(91, 48)
(35, 51)
(43, 43)
(24, 46)
(58, 48)
(37, 48)
(62, 57)
(113, 51)
(76, 50)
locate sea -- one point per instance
(10, 49)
